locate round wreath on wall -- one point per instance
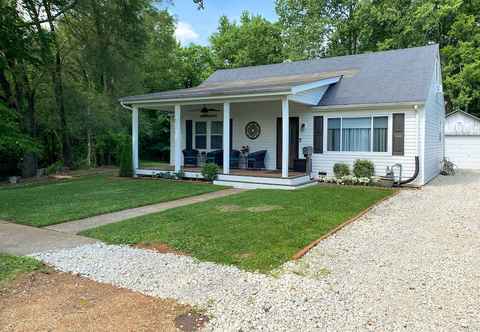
(252, 130)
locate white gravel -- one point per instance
(411, 264)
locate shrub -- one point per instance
(126, 163)
(55, 167)
(340, 169)
(210, 171)
(363, 168)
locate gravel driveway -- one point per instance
(412, 264)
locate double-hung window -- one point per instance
(216, 135)
(361, 134)
(200, 135)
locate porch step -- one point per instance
(262, 185)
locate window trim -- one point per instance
(363, 115)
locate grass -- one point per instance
(60, 201)
(254, 230)
(12, 266)
(155, 164)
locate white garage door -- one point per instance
(464, 151)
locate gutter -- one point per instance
(173, 101)
(374, 105)
(125, 106)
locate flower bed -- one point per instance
(347, 180)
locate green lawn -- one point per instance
(255, 230)
(155, 164)
(11, 266)
(53, 203)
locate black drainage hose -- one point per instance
(417, 170)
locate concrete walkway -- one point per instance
(24, 240)
(73, 227)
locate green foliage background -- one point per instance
(61, 75)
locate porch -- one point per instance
(256, 139)
(254, 134)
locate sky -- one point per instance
(195, 26)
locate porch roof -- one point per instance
(282, 85)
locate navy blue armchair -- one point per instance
(190, 157)
(234, 158)
(257, 159)
(215, 157)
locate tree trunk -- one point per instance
(57, 80)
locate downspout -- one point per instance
(417, 158)
(415, 174)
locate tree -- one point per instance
(13, 142)
(197, 63)
(338, 27)
(254, 41)
(50, 53)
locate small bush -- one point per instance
(55, 167)
(363, 169)
(340, 169)
(126, 163)
(210, 171)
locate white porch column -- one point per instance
(178, 139)
(285, 136)
(135, 140)
(226, 138)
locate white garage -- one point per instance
(462, 140)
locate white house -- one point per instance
(462, 139)
(387, 107)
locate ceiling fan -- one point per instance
(204, 112)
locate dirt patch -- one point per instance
(64, 302)
(264, 208)
(162, 248)
(192, 321)
(245, 255)
(254, 209)
(229, 208)
(61, 177)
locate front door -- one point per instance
(294, 140)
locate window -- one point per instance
(362, 134)
(380, 134)
(216, 135)
(200, 135)
(333, 139)
(356, 134)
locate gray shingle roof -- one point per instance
(382, 77)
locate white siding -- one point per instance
(434, 128)
(425, 135)
(324, 162)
